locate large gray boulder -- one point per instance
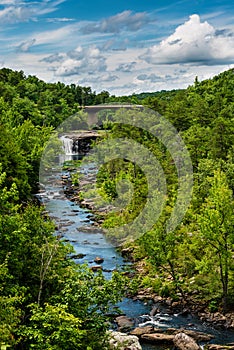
(184, 342)
(122, 341)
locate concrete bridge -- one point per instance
(93, 110)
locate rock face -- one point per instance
(122, 341)
(183, 342)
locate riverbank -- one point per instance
(180, 306)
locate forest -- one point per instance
(49, 302)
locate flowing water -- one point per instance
(76, 226)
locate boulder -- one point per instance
(198, 336)
(98, 260)
(184, 342)
(158, 338)
(124, 323)
(122, 341)
(139, 331)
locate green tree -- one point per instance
(216, 227)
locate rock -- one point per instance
(198, 336)
(184, 312)
(183, 342)
(169, 301)
(127, 252)
(139, 331)
(123, 341)
(154, 311)
(78, 256)
(107, 270)
(96, 268)
(176, 305)
(158, 299)
(63, 229)
(86, 242)
(89, 229)
(220, 347)
(158, 338)
(124, 323)
(98, 260)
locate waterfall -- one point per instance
(67, 145)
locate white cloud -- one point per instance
(193, 42)
(153, 78)
(61, 35)
(82, 60)
(126, 67)
(59, 19)
(126, 20)
(118, 63)
(115, 44)
(99, 79)
(57, 57)
(25, 46)
(16, 11)
(53, 36)
(8, 2)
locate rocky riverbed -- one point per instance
(181, 337)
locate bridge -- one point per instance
(93, 110)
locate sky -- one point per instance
(123, 47)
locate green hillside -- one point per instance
(49, 302)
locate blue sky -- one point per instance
(123, 47)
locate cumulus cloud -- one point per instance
(126, 20)
(193, 42)
(82, 60)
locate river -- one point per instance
(77, 226)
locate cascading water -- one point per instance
(67, 145)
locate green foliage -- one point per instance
(52, 327)
(10, 312)
(216, 226)
(46, 300)
(65, 304)
(198, 256)
(75, 316)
